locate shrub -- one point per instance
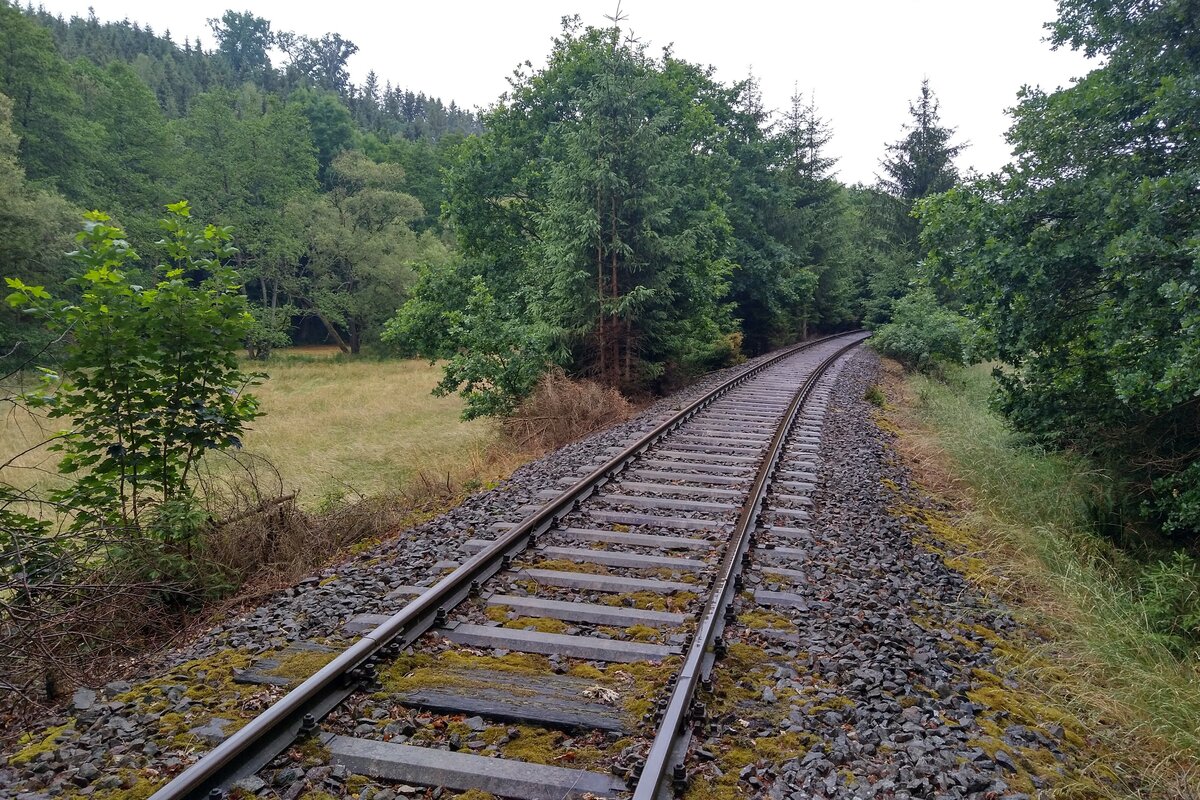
(561, 411)
(1169, 595)
(922, 333)
(149, 383)
(499, 360)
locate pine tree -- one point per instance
(922, 163)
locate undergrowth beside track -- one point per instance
(1024, 517)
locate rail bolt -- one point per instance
(679, 779)
(441, 617)
(475, 587)
(308, 725)
(719, 648)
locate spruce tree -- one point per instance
(922, 162)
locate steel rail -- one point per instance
(664, 755)
(271, 732)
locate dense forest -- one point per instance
(623, 216)
(334, 189)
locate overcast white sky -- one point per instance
(863, 59)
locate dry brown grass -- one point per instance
(1019, 512)
(561, 411)
(338, 428)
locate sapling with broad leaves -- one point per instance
(150, 381)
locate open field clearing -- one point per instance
(22, 441)
(333, 428)
(338, 427)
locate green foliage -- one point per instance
(358, 251)
(34, 228)
(498, 362)
(592, 210)
(150, 381)
(788, 219)
(923, 333)
(1035, 510)
(922, 163)
(425, 325)
(1169, 596)
(919, 165)
(27, 548)
(330, 124)
(243, 41)
(55, 139)
(1080, 259)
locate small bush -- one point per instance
(875, 396)
(561, 411)
(922, 333)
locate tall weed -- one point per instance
(1123, 630)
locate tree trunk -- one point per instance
(628, 351)
(337, 337)
(616, 294)
(601, 344)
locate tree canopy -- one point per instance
(636, 220)
(1080, 257)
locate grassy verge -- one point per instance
(1027, 515)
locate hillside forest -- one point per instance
(619, 215)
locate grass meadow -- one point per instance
(334, 428)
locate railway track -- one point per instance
(615, 593)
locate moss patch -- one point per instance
(566, 565)
(542, 624)
(134, 786)
(209, 684)
(300, 665)
(458, 669)
(34, 748)
(554, 748)
(643, 633)
(760, 619)
(652, 601)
